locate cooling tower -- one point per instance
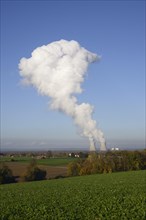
(92, 148)
(103, 146)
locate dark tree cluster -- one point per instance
(33, 173)
(6, 175)
(108, 162)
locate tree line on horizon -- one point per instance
(111, 161)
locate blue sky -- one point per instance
(115, 85)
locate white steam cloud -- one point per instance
(57, 70)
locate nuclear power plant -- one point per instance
(93, 145)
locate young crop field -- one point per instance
(116, 196)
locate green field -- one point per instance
(97, 197)
(49, 161)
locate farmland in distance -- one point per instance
(54, 166)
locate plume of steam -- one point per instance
(57, 70)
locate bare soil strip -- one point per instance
(19, 169)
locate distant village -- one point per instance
(50, 154)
